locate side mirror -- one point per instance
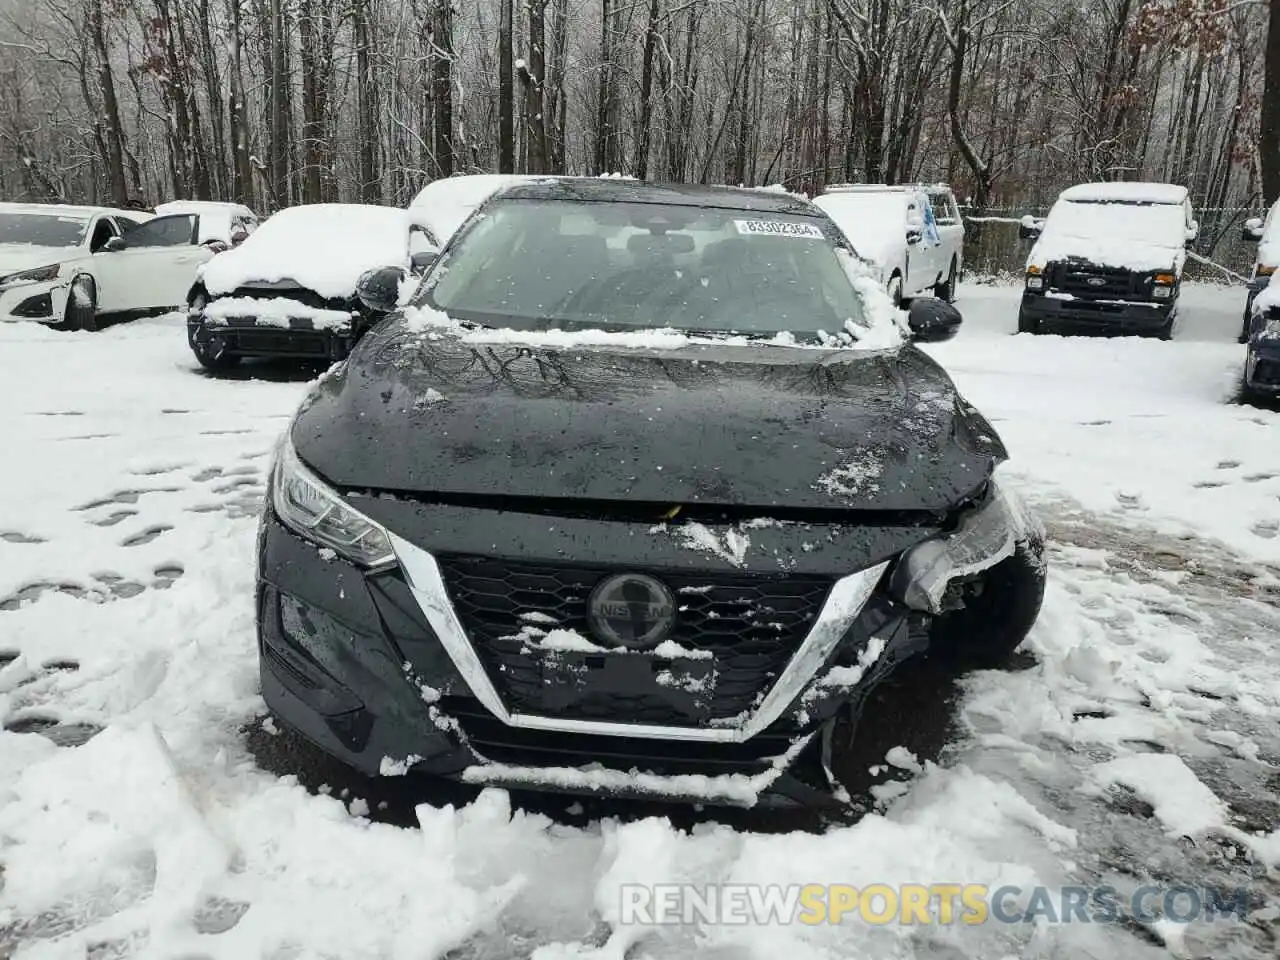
(1029, 228)
(239, 237)
(114, 244)
(422, 262)
(914, 236)
(932, 320)
(379, 290)
(1252, 230)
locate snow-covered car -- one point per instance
(641, 493)
(1109, 257)
(1266, 234)
(442, 206)
(1262, 359)
(289, 290)
(919, 254)
(77, 268)
(222, 225)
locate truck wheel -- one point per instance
(1245, 324)
(947, 289)
(213, 357)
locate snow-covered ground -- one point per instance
(1140, 743)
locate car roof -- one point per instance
(620, 190)
(834, 188)
(196, 206)
(1124, 192)
(66, 210)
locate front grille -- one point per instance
(1089, 280)
(298, 294)
(499, 743)
(266, 340)
(750, 626)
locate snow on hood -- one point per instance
(874, 222)
(26, 256)
(1136, 236)
(1269, 245)
(324, 247)
(1125, 192)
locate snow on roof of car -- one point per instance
(324, 247)
(203, 206)
(1122, 192)
(59, 210)
(444, 205)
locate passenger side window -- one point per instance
(103, 231)
(175, 231)
(944, 209)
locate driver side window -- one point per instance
(102, 232)
(173, 231)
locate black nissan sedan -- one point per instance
(641, 495)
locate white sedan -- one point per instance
(76, 268)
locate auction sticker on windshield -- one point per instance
(778, 228)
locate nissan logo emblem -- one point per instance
(632, 610)
(1096, 282)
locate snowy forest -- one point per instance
(276, 102)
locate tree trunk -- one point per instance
(442, 83)
(959, 43)
(604, 93)
(1269, 145)
(113, 134)
(534, 79)
(242, 172)
(279, 151)
(646, 93)
(370, 181)
(506, 95)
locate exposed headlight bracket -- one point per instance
(986, 535)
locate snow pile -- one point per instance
(1269, 297)
(324, 247)
(275, 312)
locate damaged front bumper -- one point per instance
(296, 338)
(435, 663)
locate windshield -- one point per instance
(536, 265)
(1162, 224)
(42, 229)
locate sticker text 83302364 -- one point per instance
(779, 228)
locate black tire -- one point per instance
(947, 289)
(1166, 331)
(81, 311)
(214, 359)
(1244, 324)
(1027, 324)
(994, 621)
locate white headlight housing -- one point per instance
(308, 507)
(1161, 293)
(985, 535)
(1035, 283)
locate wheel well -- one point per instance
(196, 289)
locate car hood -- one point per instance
(1127, 254)
(741, 426)
(23, 256)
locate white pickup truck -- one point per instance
(913, 232)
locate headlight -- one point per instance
(1035, 283)
(311, 509)
(1161, 293)
(38, 275)
(986, 535)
